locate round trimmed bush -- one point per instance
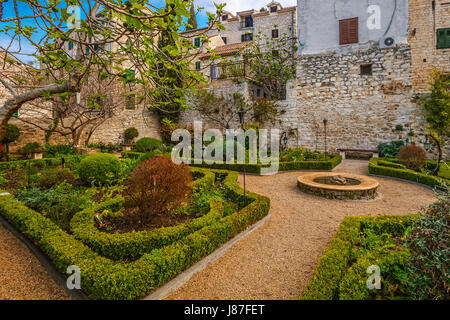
(148, 145)
(100, 168)
(12, 134)
(130, 134)
(412, 156)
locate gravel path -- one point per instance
(278, 260)
(22, 277)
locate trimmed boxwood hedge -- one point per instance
(332, 280)
(103, 278)
(256, 168)
(71, 161)
(133, 245)
(379, 168)
(283, 165)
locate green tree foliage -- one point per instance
(192, 22)
(436, 104)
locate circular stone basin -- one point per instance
(343, 186)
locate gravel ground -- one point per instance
(22, 277)
(278, 260)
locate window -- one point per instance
(70, 45)
(366, 70)
(247, 37)
(248, 21)
(274, 33)
(443, 38)
(197, 65)
(273, 9)
(224, 40)
(348, 31)
(129, 75)
(197, 42)
(131, 102)
(275, 53)
(225, 17)
(16, 114)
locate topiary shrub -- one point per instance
(148, 145)
(412, 156)
(12, 134)
(100, 169)
(429, 242)
(55, 176)
(31, 147)
(156, 187)
(130, 134)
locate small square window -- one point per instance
(366, 70)
(443, 38)
(274, 33)
(225, 17)
(273, 9)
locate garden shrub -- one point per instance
(148, 145)
(31, 147)
(55, 176)
(12, 134)
(100, 169)
(390, 150)
(55, 151)
(130, 134)
(412, 156)
(149, 155)
(155, 187)
(300, 154)
(59, 204)
(429, 243)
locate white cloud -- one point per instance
(234, 6)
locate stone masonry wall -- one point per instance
(423, 23)
(362, 110)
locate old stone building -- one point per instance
(270, 22)
(429, 37)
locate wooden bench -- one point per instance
(374, 152)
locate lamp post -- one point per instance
(325, 121)
(241, 114)
(427, 147)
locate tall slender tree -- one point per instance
(192, 22)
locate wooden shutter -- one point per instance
(443, 38)
(348, 31)
(197, 42)
(197, 65)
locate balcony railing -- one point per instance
(245, 24)
(238, 69)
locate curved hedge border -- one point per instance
(103, 278)
(283, 166)
(333, 264)
(386, 167)
(133, 245)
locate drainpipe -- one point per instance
(433, 8)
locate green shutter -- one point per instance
(197, 65)
(443, 38)
(197, 42)
(16, 114)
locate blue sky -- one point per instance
(231, 5)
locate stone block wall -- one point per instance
(423, 23)
(362, 110)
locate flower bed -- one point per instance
(391, 168)
(42, 163)
(106, 278)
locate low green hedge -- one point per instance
(131, 154)
(103, 278)
(283, 166)
(333, 264)
(378, 168)
(133, 245)
(70, 161)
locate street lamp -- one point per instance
(241, 114)
(325, 121)
(426, 145)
